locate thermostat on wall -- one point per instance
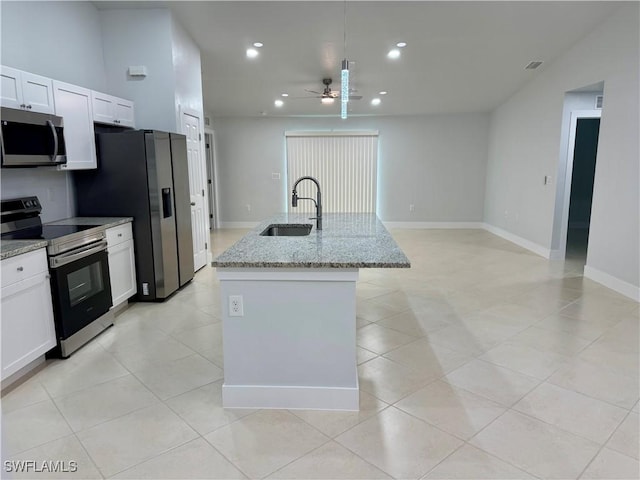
(138, 71)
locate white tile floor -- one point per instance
(482, 361)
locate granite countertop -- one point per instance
(347, 240)
(106, 222)
(11, 248)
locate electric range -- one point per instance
(78, 267)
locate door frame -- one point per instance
(564, 224)
(212, 164)
(200, 116)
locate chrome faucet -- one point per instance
(318, 202)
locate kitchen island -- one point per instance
(289, 311)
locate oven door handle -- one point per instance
(66, 258)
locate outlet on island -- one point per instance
(236, 308)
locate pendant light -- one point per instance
(344, 74)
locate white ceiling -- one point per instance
(461, 56)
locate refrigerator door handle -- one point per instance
(167, 210)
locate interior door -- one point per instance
(197, 187)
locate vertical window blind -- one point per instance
(345, 164)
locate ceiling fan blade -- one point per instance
(313, 91)
(353, 97)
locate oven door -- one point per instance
(81, 291)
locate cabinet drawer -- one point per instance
(119, 234)
(23, 266)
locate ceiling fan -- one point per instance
(327, 95)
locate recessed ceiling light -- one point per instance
(258, 44)
(399, 44)
(278, 103)
(327, 100)
(284, 95)
(376, 101)
(395, 53)
(383, 92)
(252, 53)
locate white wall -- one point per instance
(141, 37)
(435, 162)
(60, 40)
(525, 139)
(187, 71)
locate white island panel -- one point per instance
(295, 345)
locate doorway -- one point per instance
(585, 128)
(210, 150)
(191, 128)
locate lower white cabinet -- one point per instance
(26, 320)
(122, 266)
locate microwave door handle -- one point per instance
(55, 140)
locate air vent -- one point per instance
(599, 102)
(533, 65)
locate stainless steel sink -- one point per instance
(287, 230)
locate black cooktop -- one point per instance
(45, 232)
(49, 232)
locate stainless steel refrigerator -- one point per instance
(144, 174)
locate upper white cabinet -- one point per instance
(26, 319)
(112, 110)
(26, 91)
(73, 104)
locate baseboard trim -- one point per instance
(614, 283)
(432, 225)
(291, 398)
(522, 242)
(238, 224)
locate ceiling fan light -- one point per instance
(327, 100)
(395, 53)
(376, 101)
(278, 103)
(252, 53)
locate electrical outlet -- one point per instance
(236, 309)
(275, 176)
(412, 207)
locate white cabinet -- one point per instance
(26, 91)
(27, 327)
(122, 267)
(73, 104)
(112, 110)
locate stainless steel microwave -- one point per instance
(30, 139)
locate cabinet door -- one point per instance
(124, 112)
(28, 331)
(122, 272)
(73, 103)
(10, 88)
(103, 108)
(37, 93)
